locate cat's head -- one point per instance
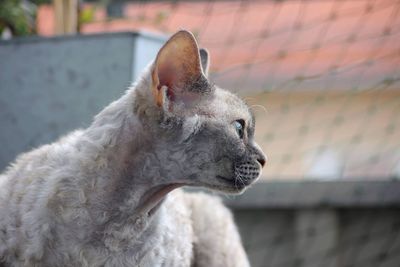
(203, 135)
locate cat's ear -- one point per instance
(177, 75)
(205, 60)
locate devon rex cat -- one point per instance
(98, 197)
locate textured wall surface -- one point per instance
(315, 224)
(49, 87)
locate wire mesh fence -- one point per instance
(322, 76)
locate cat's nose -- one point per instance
(259, 155)
(261, 159)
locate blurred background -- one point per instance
(322, 76)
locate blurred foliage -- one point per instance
(18, 16)
(161, 17)
(41, 2)
(86, 14)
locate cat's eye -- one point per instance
(239, 126)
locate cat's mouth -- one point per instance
(235, 181)
(244, 174)
(232, 185)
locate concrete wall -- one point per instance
(50, 86)
(320, 224)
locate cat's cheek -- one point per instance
(190, 127)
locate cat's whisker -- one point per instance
(248, 99)
(263, 108)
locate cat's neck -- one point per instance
(129, 182)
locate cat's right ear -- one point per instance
(178, 80)
(205, 60)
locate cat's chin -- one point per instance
(226, 185)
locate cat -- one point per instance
(109, 195)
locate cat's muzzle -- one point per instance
(247, 172)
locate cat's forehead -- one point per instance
(229, 106)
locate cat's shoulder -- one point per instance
(214, 230)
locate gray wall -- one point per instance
(50, 86)
(318, 224)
